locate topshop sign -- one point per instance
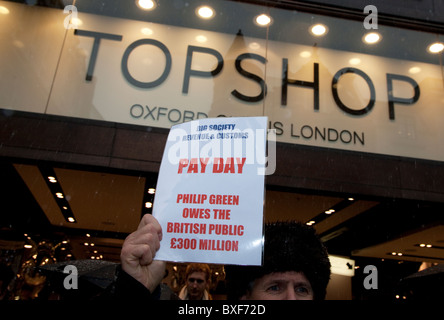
(189, 73)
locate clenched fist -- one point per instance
(138, 251)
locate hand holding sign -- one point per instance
(138, 251)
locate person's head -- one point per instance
(197, 280)
(295, 266)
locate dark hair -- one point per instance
(289, 246)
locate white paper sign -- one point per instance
(210, 191)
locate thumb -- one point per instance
(156, 272)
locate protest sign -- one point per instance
(210, 191)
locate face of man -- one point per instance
(196, 285)
(281, 286)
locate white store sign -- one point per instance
(155, 75)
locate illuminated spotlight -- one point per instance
(59, 195)
(52, 179)
(205, 12)
(148, 204)
(71, 219)
(151, 191)
(146, 4)
(263, 20)
(318, 30)
(372, 38)
(436, 47)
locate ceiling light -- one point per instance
(205, 12)
(436, 47)
(148, 204)
(28, 246)
(52, 179)
(372, 38)
(59, 195)
(351, 199)
(151, 190)
(71, 219)
(318, 30)
(263, 20)
(146, 4)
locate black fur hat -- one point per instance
(289, 246)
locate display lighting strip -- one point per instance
(55, 187)
(424, 245)
(325, 214)
(148, 197)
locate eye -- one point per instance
(274, 288)
(302, 290)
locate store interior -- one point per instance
(54, 213)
